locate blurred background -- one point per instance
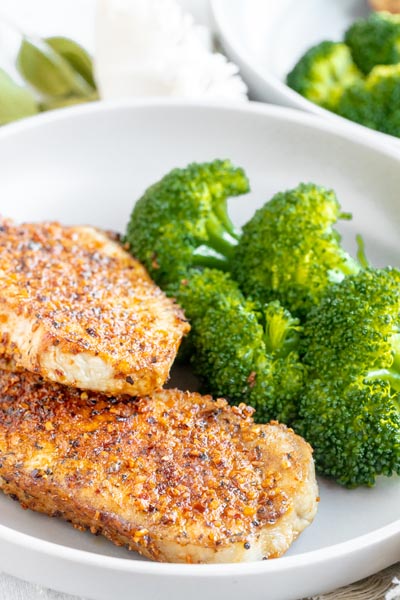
(339, 60)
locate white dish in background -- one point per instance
(87, 165)
(266, 38)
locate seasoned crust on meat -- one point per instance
(77, 309)
(176, 476)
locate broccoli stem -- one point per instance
(222, 242)
(280, 330)
(276, 330)
(222, 239)
(204, 256)
(396, 360)
(361, 256)
(222, 216)
(221, 236)
(395, 368)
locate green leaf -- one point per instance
(16, 102)
(54, 103)
(75, 55)
(48, 72)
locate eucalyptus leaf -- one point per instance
(75, 55)
(16, 102)
(48, 72)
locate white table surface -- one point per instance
(73, 18)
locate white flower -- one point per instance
(394, 593)
(152, 48)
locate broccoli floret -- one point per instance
(182, 220)
(196, 294)
(375, 103)
(350, 407)
(242, 351)
(375, 40)
(289, 250)
(204, 289)
(323, 73)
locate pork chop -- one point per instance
(176, 476)
(77, 309)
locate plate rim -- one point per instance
(317, 557)
(341, 127)
(217, 570)
(295, 99)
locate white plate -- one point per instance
(87, 165)
(266, 38)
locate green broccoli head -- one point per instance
(355, 330)
(182, 220)
(375, 40)
(289, 251)
(241, 350)
(201, 290)
(375, 102)
(276, 388)
(350, 408)
(323, 73)
(355, 432)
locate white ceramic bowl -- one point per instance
(266, 38)
(87, 165)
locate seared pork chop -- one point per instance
(176, 476)
(77, 309)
